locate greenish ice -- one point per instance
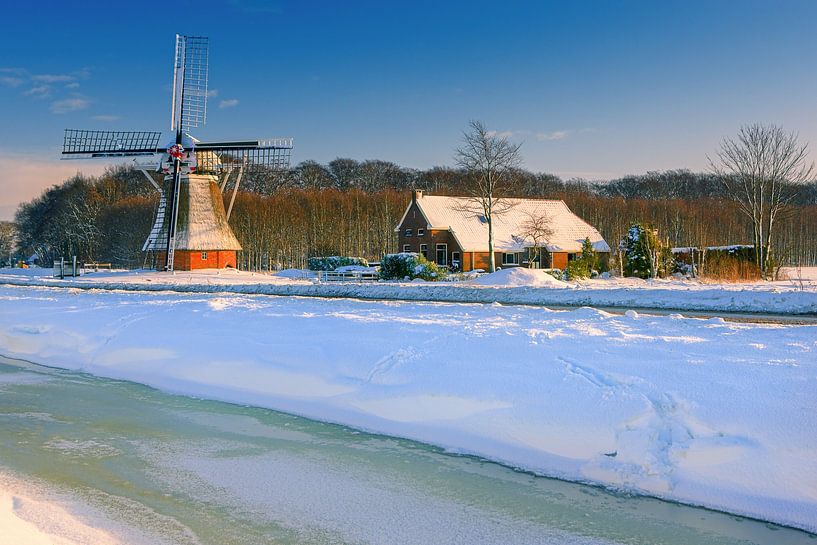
(176, 469)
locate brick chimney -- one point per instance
(416, 194)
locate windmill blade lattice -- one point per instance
(254, 154)
(190, 73)
(80, 144)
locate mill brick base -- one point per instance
(188, 260)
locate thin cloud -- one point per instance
(72, 85)
(54, 78)
(229, 103)
(541, 136)
(40, 91)
(69, 105)
(11, 81)
(212, 93)
(555, 135)
(106, 118)
(502, 134)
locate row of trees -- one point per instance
(349, 207)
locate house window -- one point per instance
(442, 254)
(421, 232)
(406, 247)
(204, 256)
(455, 259)
(509, 259)
(424, 250)
(408, 232)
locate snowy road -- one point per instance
(702, 411)
(774, 300)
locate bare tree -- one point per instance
(7, 241)
(536, 229)
(761, 169)
(490, 161)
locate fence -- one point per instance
(63, 269)
(346, 276)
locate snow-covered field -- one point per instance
(702, 411)
(795, 295)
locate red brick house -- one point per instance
(449, 231)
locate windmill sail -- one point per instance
(253, 154)
(79, 144)
(189, 83)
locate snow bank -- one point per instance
(701, 411)
(519, 276)
(295, 273)
(783, 297)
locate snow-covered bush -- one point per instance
(555, 273)
(577, 269)
(585, 265)
(333, 262)
(407, 265)
(645, 256)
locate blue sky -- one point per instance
(592, 89)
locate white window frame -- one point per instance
(406, 248)
(421, 232)
(513, 261)
(455, 259)
(408, 232)
(441, 246)
(204, 256)
(424, 250)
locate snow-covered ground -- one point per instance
(796, 295)
(702, 411)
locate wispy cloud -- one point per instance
(106, 118)
(40, 91)
(229, 103)
(11, 81)
(541, 136)
(555, 135)
(69, 105)
(40, 86)
(212, 93)
(54, 78)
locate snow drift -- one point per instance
(701, 411)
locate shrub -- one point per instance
(577, 269)
(409, 265)
(333, 262)
(645, 256)
(729, 268)
(589, 254)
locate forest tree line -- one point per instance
(349, 207)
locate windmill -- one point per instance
(190, 229)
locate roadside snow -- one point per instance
(519, 276)
(701, 411)
(782, 297)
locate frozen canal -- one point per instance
(173, 469)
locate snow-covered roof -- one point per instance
(461, 216)
(202, 222)
(730, 248)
